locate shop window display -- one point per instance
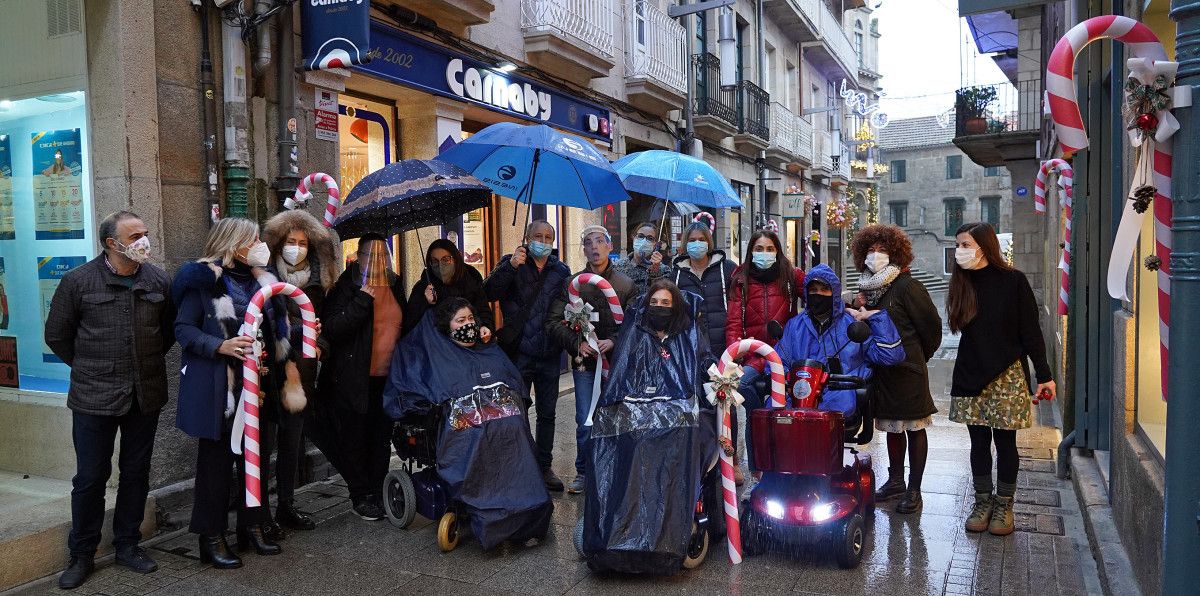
(46, 227)
(1151, 409)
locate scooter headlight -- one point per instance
(775, 509)
(822, 512)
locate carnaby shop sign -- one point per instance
(335, 33)
(408, 60)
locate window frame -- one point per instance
(902, 207)
(994, 201)
(957, 160)
(960, 203)
(898, 173)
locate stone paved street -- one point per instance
(909, 555)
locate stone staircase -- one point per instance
(932, 282)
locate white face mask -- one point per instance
(258, 255)
(294, 254)
(876, 261)
(138, 251)
(967, 258)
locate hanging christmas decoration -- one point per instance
(1149, 67)
(841, 214)
(1065, 180)
(872, 205)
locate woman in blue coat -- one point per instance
(212, 295)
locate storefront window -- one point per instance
(46, 226)
(1151, 409)
(365, 144)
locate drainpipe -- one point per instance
(760, 49)
(285, 85)
(1182, 502)
(209, 101)
(262, 56)
(237, 120)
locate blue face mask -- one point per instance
(697, 249)
(763, 260)
(539, 250)
(642, 246)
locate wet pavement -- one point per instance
(927, 553)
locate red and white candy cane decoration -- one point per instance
(245, 424)
(1065, 181)
(618, 313)
(712, 220)
(733, 531)
(1149, 62)
(303, 195)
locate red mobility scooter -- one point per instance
(813, 489)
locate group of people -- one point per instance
(114, 319)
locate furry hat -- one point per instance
(324, 247)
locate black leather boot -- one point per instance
(253, 536)
(215, 551)
(76, 573)
(290, 518)
(273, 532)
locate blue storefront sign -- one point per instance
(336, 33)
(405, 59)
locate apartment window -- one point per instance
(899, 213)
(954, 214)
(991, 171)
(639, 20)
(898, 171)
(953, 167)
(989, 211)
(701, 33)
(858, 48)
(831, 98)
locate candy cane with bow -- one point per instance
(1065, 178)
(1151, 134)
(246, 422)
(722, 392)
(580, 315)
(303, 195)
(712, 221)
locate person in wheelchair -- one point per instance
(443, 374)
(821, 333)
(652, 441)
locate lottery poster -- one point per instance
(7, 228)
(58, 185)
(50, 272)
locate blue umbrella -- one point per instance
(407, 195)
(537, 164)
(676, 177)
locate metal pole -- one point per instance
(1181, 543)
(289, 158)
(209, 100)
(689, 130)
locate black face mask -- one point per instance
(467, 334)
(820, 307)
(658, 317)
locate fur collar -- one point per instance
(324, 248)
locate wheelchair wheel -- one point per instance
(577, 537)
(697, 548)
(448, 532)
(399, 498)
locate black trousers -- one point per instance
(287, 436)
(366, 443)
(210, 506)
(94, 438)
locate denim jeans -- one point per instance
(584, 382)
(541, 375)
(94, 437)
(752, 401)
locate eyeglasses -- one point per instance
(444, 260)
(644, 237)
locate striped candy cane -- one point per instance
(618, 313)
(245, 423)
(1150, 60)
(712, 220)
(733, 528)
(303, 195)
(1065, 177)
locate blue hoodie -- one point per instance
(801, 341)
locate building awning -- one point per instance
(994, 32)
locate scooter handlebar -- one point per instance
(845, 382)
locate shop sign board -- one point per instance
(336, 33)
(326, 115)
(408, 60)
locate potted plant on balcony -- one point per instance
(972, 105)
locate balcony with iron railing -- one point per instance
(715, 109)
(754, 118)
(996, 123)
(570, 38)
(819, 29)
(655, 58)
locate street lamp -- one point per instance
(727, 46)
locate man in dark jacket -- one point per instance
(525, 283)
(362, 323)
(597, 245)
(112, 322)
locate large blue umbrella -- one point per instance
(676, 177)
(537, 164)
(407, 195)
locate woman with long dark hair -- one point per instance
(766, 287)
(992, 305)
(900, 396)
(447, 275)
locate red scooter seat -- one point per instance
(797, 441)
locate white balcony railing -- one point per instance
(822, 158)
(804, 138)
(589, 21)
(791, 133)
(844, 163)
(655, 45)
(830, 29)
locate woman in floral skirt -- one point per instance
(992, 306)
